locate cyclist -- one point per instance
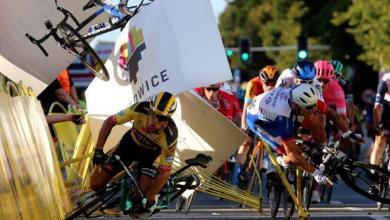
(302, 72)
(381, 118)
(262, 83)
(332, 91)
(305, 72)
(256, 86)
(275, 116)
(153, 134)
(338, 75)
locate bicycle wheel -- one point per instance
(274, 193)
(93, 201)
(288, 204)
(307, 189)
(384, 189)
(366, 179)
(326, 193)
(79, 47)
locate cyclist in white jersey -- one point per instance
(274, 116)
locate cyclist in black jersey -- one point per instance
(381, 119)
(153, 134)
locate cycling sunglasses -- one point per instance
(324, 81)
(270, 82)
(310, 81)
(212, 89)
(160, 117)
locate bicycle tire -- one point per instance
(288, 204)
(326, 193)
(78, 46)
(94, 203)
(359, 170)
(307, 190)
(384, 189)
(274, 194)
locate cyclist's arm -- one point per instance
(247, 101)
(294, 154)
(105, 131)
(339, 122)
(341, 106)
(243, 117)
(379, 99)
(117, 119)
(349, 102)
(237, 112)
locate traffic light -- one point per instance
(302, 51)
(245, 50)
(229, 52)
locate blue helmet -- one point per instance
(304, 70)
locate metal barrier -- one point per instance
(31, 184)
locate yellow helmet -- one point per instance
(164, 103)
(269, 74)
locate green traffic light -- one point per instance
(244, 56)
(302, 54)
(229, 53)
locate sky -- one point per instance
(218, 7)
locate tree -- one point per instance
(368, 21)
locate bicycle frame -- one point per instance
(117, 11)
(296, 195)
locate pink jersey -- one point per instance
(334, 97)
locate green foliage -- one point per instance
(368, 21)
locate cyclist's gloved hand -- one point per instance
(353, 137)
(321, 178)
(99, 157)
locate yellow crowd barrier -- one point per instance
(31, 184)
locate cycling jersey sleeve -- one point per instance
(341, 106)
(381, 91)
(129, 113)
(248, 92)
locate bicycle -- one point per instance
(283, 185)
(362, 177)
(76, 43)
(122, 188)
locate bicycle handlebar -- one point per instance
(38, 42)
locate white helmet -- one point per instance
(304, 95)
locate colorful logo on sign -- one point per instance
(130, 53)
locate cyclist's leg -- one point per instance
(380, 140)
(103, 173)
(147, 173)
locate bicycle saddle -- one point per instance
(200, 160)
(90, 4)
